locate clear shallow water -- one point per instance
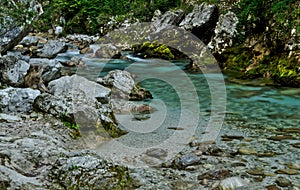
(177, 91)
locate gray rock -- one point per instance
(232, 183)
(168, 18)
(30, 41)
(17, 99)
(186, 160)
(85, 170)
(79, 100)
(107, 51)
(9, 118)
(51, 68)
(225, 32)
(124, 86)
(201, 21)
(52, 48)
(13, 70)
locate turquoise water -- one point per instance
(179, 91)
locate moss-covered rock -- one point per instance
(156, 50)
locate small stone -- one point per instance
(291, 130)
(2, 134)
(156, 153)
(247, 151)
(293, 166)
(296, 145)
(231, 137)
(232, 183)
(215, 174)
(266, 154)
(281, 137)
(256, 172)
(283, 182)
(287, 171)
(272, 187)
(186, 160)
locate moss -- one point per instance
(154, 50)
(279, 67)
(122, 176)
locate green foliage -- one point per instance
(69, 122)
(274, 18)
(83, 16)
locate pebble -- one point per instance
(272, 187)
(156, 153)
(215, 174)
(281, 137)
(256, 172)
(287, 171)
(293, 166)
(283, 182)
(232, 183)
(247, 151)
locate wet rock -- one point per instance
(107, 51)
(51, 68)
(29, 41)
(168, 18)
(258, 171)
(290, 130)
(17, 99)
(201, 21)
(231, 137)
(272, 187)
(225, 32)
(283, 182)
(13, 70)
(157, 153)
(123, 86)
(232, 183)
(281, 137)
(287, 171)
(215, 174)
(293, 166)
(247, 151)
(186, 160)
(51, 49)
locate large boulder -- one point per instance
(123, 86)
(13, 70)
(79, 101)
(107, 51)
(168, 18)
(225, 32)
(51, 49)
(17, 99)
(201, 21)
(51, 68)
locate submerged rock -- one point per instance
(232, 183)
